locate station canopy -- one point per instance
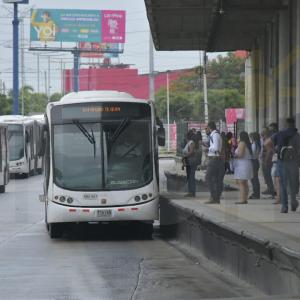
(211, 25)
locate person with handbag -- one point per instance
(190, 159)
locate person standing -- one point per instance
(273, 127)
(189, 157)
(266, 159)
(215, 167)
(287, 145)
(256, 148)
(243, 170)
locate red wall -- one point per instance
(123, 80)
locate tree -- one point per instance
(5, 105)
(56, 97)
(33, 102)
(225, 89)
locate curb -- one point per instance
(272, 268)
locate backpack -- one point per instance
(290, 150)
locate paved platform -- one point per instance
(273, 238)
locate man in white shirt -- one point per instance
(216, 165)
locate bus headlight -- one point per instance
(137, 198)
(144, 197)
(62, 198)
(70, 200)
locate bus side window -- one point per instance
(31, 142)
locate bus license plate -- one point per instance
(104, 213)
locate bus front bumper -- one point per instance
(57, 213)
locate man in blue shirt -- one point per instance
(287, 145)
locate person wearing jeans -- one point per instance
(288, 169)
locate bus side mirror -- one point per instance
(161, 136)
(42, 141)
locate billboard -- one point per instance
(101, 50)
(113, 26)
(65, 25)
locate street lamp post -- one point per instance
(168, 110)
(16, 60)
(15, 23)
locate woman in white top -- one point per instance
(243, 170)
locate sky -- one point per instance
(136, 48)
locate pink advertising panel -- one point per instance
(113, 26)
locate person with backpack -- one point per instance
(287, 145)
(216, 165)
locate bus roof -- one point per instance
(15, 119)
(98, 95)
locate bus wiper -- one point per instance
(90, 137)
(120, 128)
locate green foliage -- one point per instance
(56, 97)
(5, 105)
(225, 90)
(33, 102)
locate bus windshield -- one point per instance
(108, 155)
(16, 142)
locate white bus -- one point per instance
(21, 144)
(101, 160)
(4, 157)
(39, 121)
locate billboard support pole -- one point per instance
(15, 23)
(76, 70)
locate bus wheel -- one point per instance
(2, 188)
(55, 230)
(26, 175)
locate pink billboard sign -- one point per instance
(113, 26)
(234, 114)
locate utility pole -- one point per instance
(38, 73)
(61, 77)
(22, 65)
(206, 117)
(76, 54)
(46, 89)
(151, 69)
(168, 110)
(49, 74)
(15, 23)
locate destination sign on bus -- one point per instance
(99, 111)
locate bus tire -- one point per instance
(2, 188)
(55, 230)
(26, 175)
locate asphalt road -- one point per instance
(96, 262)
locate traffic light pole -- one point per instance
(16, 60)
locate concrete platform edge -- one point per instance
(272, 268)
